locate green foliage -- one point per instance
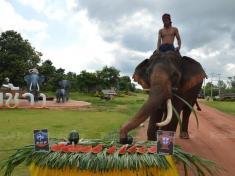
(87, 82)
(124, 84)
(231, 81)
(17, 56)
(228, 87)
(108, 77)
(227, 107)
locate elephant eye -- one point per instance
(175, 78)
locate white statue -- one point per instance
(9, 85)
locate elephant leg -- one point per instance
(57, 100)
(152, 127)
(185, 121)
(36, 98)
(198, 107)
(191, 98)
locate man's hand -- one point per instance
(177, 48)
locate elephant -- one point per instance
(61, 95)
(34, 81)
(66, 85)
(168, 76)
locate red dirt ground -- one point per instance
(71, 104)
(214, 140)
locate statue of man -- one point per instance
(9, 85)
(33, 70)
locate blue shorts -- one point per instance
(166, 47)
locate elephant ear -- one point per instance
(60, 83)
(69, 84)
(192, 73)
(27, 79)
(41, 79)
(142, 69)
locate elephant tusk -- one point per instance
(169, 115)
(38, 87)
(146, 90)
(30, 87)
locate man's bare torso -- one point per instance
(168, 35)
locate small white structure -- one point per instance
(108, 93)
(9, 85)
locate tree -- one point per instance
(87, 82)
(72, 77)
(232, 81)
(59, 75)
(211, 89)
(17, 56)
(221, 85)
(108, 77)
(125, 84)
(48, 71)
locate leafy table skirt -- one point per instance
(154, 171)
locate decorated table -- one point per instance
(105, 158)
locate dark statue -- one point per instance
(62, 93)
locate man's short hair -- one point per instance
(166, 16)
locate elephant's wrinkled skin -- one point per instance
(61, 95)
(34, 81)
(64, 84)
(163, 74)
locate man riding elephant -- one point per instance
(166, 75)
(166, 36)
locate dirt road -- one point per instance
(214, 140)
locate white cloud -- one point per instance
(230, 68)
(37, 5)
(33, 30)
(72, 4)
(10, 19)
(53, 9)
(89, 51)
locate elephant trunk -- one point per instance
(159, 94)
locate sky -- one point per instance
(89, 34)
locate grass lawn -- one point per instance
(16, 126)
(224, 106)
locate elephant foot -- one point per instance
(124, 137)
(184, 135)
(127, 140)
(199, 109)
(152, 138)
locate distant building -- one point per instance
(108, 93)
